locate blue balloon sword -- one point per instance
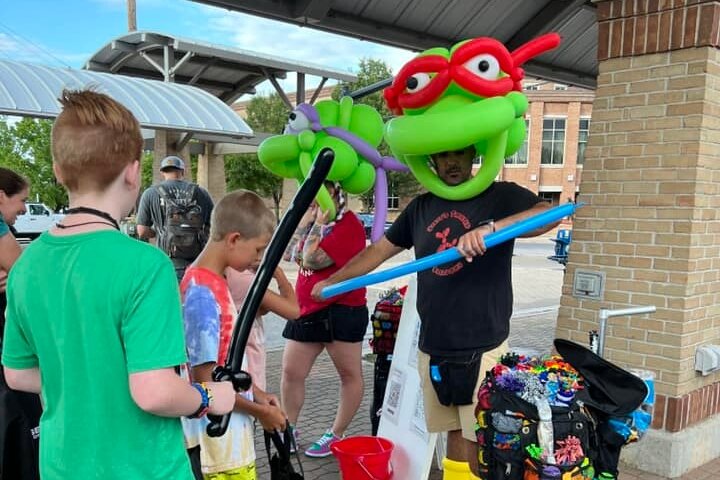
(508, 233)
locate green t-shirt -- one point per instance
(89, 309)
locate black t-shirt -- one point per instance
(464, 307)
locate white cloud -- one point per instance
(292, 41)
(301, 44)
(22, 50)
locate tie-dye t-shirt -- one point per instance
(209, 314)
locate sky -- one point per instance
(66, 33)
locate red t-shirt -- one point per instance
(345, 240)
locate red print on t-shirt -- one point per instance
(443, 233)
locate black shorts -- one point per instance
(335, 322)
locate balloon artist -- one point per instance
(452, 107)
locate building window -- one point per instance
(553, 143)
(583, 133)
(521, 156)
(560, 86)
(531, 86)
(393, 201)
(552, 197)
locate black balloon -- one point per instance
(232, 371)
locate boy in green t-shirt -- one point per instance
(240, 228)
(93, 317)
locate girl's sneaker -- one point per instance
(321, 448)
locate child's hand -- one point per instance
(223, 399)
(273, 418)
(317, 289)
(3, 280)
(322, 217)
(309, 216)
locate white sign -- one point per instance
(403, 416)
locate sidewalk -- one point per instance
(537, 286)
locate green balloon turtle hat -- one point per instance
(469, 95)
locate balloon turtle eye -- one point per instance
(484, 66)
(298, 121)
(417, 82)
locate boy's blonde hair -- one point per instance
(93, 139)
(244, 212)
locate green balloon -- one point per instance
(284, 151)
(361, 181)
(290, 155)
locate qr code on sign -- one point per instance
(393, 396)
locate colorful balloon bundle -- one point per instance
(532, 378)
(386, 319)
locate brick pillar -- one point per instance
(211, 173)
(652, 183)
(165, 144)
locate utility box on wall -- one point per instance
(588, 284)
(707, 359)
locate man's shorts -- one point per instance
(441, 418)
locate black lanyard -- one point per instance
(93, 211)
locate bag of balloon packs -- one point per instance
(632, 427)
(530, 425)
(385, 320)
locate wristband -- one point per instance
(206, 399)
(490, 222)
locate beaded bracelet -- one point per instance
(206, 396)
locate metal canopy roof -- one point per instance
(421, 24)
(32, 90)
(224, 72)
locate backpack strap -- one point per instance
(164, 194)
(193, 190)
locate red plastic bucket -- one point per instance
(364, 458)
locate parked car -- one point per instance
(37, 219)
(367, 221)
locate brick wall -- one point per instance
(651, 183)
(638, 27)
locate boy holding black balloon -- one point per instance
(240, 229)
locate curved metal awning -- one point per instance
(32, 90)
(422, 24)
(223, 71)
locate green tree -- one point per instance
(146, 169)
(371, 71)
(266, 115)
(25, 148)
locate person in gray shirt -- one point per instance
(177, 213)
